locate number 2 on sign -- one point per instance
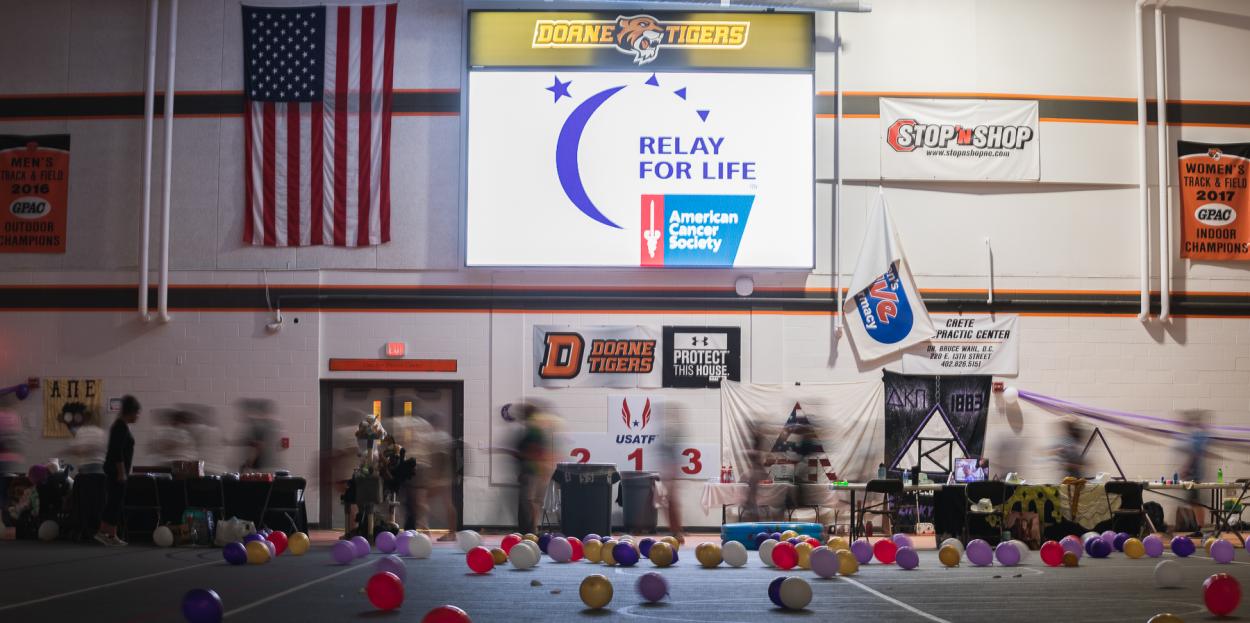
(582, 453)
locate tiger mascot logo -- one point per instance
(639, 35)
(1214, 153)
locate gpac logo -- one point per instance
(885, 309)
(30, 207)
(1215, 215)
(640, 36)
(906, 135)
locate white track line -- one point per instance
(293, 590)
(110, 584)
(894, 601)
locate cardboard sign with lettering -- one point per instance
(1215, 209)
(34, 193)
(64, 398)
(702, 356)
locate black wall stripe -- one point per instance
(538, 299)
(77, 106)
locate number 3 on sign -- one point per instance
(695, 466)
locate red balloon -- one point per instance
(385, 591)
(278, 538)
(508, 542)
(785, 556)
(480, 560)
(885, 550)
(1052, 553)
(578, 551)
(1222, 594)
(813, 542)
(446, 614)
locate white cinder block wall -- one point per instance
(1077, 230)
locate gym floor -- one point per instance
(140, 583)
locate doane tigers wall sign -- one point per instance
(605, 356)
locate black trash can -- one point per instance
(638, 501)
(585, 497)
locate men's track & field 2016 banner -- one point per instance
(34, 193)
(1215, 209)
(629, 139)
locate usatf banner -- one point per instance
(702, 356)
(929, 139)
(968, 345)
(1215, 209)
(606, 356)
(70, 399)
(34, 193)
(931, 420)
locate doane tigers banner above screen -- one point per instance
(640, 139)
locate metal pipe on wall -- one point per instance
(162, 293)
(1143, 191)
(837, 174)
(1165, 219)
(145, 218)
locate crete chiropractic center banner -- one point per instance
(602, 139)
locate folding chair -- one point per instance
(883, 508)
(206, 492)
(142, 496)
(286, 498)
(976, 523)
(1131, 515)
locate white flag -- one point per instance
(884, 313)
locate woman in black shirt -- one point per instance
(117, 461)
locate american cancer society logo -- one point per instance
(640, 36)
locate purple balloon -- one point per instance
(1182, 546)
(979, 553)
(1099, 548)
(1109, 537)
(644, 545)
(776, 536)
(235, 553)
(652, 586)
(1118, 542)
(1222, 551)
(252, 537)
(202, 606)
(1073, 545)
(344, 552)
(626, 556)
(385, 542)
(273, 549)
(824, 562)
(902, 540)
(1153, 545)
(401, 544)
(675, 556)
(592, 535)
(774, 591)
(907, 558)
(862, 551)
(544, 541)
(362, 546)
(1007, 553)
(560, 549)
(794, 540)
(391, 563)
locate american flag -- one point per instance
(317, 81)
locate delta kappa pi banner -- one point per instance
(884, 313)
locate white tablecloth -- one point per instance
(719, 494)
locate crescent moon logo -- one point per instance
(567, 146)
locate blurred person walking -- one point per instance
(260, 432)
(118, 458)
(87, 448)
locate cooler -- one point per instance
(744, 533)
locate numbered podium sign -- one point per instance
(694, 461)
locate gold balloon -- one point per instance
(596, 591)
(590, 549)
(1070, 559)
(788, 534)
(1208, 543)
(1133, 548)
(847, 565)
(708, 554)
(298, 544)
(836, 543)
(529, 536)
(605, 552)
(257, 553)
(672, 542)
(949, 555)
(804, 550)
(661, 554)
(1166, 617)
(499, 555)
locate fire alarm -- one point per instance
(394, 349)
(998, 387)
(286, 443)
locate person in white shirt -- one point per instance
(87, 449)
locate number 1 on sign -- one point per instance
(636, 457)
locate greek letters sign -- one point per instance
(701, 356)
(34, 193)
(968, 345)
(605, 356)
(1215, 209)
(930, 139)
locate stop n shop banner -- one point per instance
(596, 356)
(948, 139)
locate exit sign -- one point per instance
(394, 349)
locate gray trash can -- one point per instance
(585, 497)
(638, 501)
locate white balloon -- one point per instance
(766, 552)
(953, 542)
(1168, 574)
(419, 546)
(523, 557)
(795, 593)
(1024, 549)
(1011, 395)
(49, 530)
(538, 552)
(467, 540)
(734, 554)
(162, 536)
